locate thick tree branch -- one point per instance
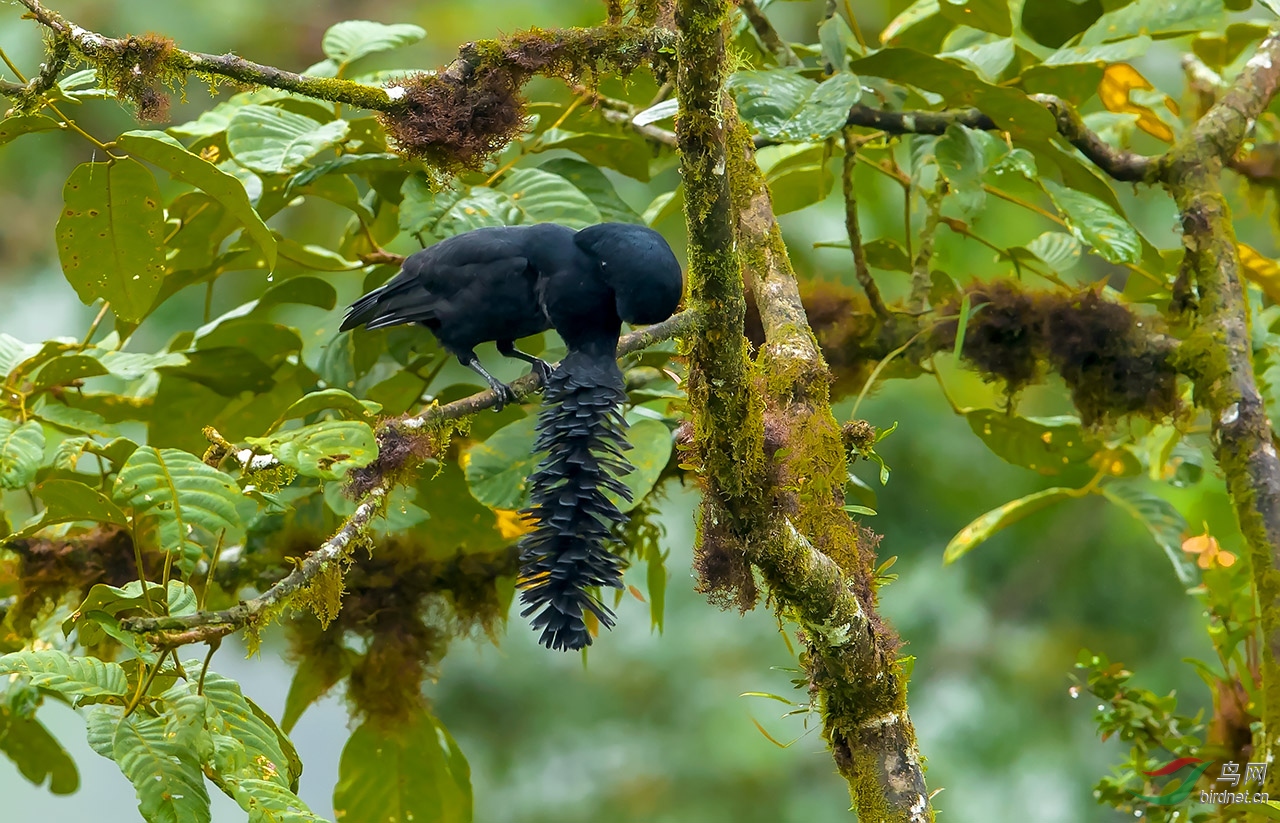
(205, 626)
(819, 568)
(1225, 384)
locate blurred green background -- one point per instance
(653, 729)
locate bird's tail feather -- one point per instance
(583, 432)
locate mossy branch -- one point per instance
(1219, 351)
(819, 566)
(554, 52)
(771, 453)
(210, 625)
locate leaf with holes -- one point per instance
(166, 774)
(961, 161)
(980, 530)
(111, 236)
(14, 127)
(348, 41)
(783, 105)
(1157, 18)
(1044, 444)
(162, 150)
(21, 452)
(327, 450)
(69, 676)
(272, 140)
(171, 494)
(1095, 223)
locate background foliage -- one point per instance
(654, 727)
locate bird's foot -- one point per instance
(543, 369)
(505, 395)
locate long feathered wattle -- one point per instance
(583, 432)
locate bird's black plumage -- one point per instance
(473, 288)
(500, 284)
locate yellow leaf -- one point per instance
(1118, 80)
(512, 524)
(1262, 271)
(636, 593)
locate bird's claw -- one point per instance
(543, 369)
(505, 395)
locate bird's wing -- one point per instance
(437, 278)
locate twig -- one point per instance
(860, 268)
(920, 275)
(768, 34)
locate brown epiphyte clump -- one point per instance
(455, 125)
(397, 448)
(1113, 361)
(136, 71)
(724, 575)
(406, 605)
(51, 569)
(1003, 334)
(458, 118)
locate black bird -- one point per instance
(622, 272)
(501, 284)
(472, 288)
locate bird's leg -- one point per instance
(541, 367)
(504, 392)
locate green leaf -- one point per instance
(621, 152)
(268, 802)
(782, 105)
(272, 140)
(348, 41)
(111, 236)
(69, 676)
(1095, 223)
(14, 127)
(650, 451)
(316, 674)
(97, 615)
(596, 186)
(338, 400)
(1058, 250)
(988, 59)
(165, 773)
(264, 743)
(1011, 109)
(162, 150)
(412, 771)
(1157, 18)
(987, 15)
(327, 450)
(543, 197)
(67, 501)
(303, 291)
(1165, 523)
(498, 469)
(37, 753)
(172, 493)
(1045, 444)
(63, 370)
(980, 530)
(21, 452)
(961, 161)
